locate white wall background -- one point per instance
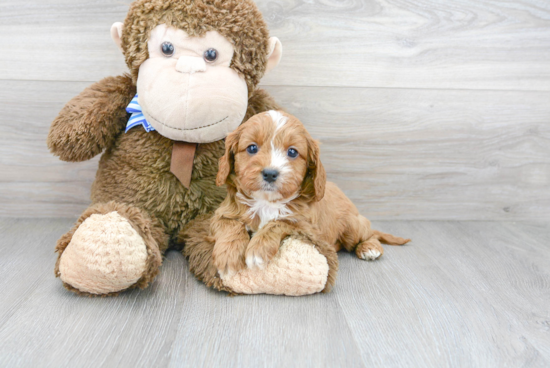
(428, 109)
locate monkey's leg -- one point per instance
(111, 248)
(302, 266)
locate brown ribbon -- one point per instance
(183, 155)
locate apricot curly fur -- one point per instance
(198, 250)
(316, 208)
(199, 247)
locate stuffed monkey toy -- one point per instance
(194, 70)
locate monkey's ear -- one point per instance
(275, 53)
(227, 160)
(116, 34)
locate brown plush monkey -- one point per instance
(195, 66)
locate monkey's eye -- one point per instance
(292, 153)
(167, 49)
(252, 149)
(210, 55)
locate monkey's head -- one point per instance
(195, 63)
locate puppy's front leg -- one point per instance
(265, 243)
(231, 242)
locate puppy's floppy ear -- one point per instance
(316, 177)
(227, 160)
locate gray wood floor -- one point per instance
(463, 294)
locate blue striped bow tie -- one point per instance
(137, 117)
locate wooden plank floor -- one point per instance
(463, 294)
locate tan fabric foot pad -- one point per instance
(297, 269)
(105, 255)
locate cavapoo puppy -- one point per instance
(276, 182)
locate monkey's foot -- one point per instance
(105, 255)
(297, 269)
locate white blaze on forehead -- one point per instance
(278, 118)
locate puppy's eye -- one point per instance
(210, 55)
(252, 149)
(292, 153)
(167, 49)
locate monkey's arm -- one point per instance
(90, 122)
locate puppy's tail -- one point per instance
(389, 239)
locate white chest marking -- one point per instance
(266, 210)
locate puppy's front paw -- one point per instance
(228, 256)
(259, 253)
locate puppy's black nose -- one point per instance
(270, 175)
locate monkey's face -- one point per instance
(186, 88)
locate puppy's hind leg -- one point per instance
(359, 237)
(371, 248)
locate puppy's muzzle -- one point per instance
(270, 175)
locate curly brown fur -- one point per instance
(259, 102)
(150, 230)
(240, 21)
(134, 169)
(91, 121)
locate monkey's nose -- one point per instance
(190, 64)
(270, 175)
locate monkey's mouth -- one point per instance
(188, 129)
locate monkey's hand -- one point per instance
(90, 122)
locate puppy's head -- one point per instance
(272, 156)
